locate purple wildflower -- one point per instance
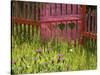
(60, 55)
(45, 63)
(60, 59)
(39, 51)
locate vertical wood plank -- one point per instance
(33, 19)
(71, 8)
(96, 22)
(47, 9)
(32, 11)
(17, 9)
(83, 24)
(28, 10)
(89, 20)
(12, 14)
(79, 9)
(53, 9)
(92, 21)
(74, 9)
(58, 9)
(50, 9)
(66, 9)
(24, 17)
(41, 9)
(31, 16)
(20, 17)
(63, 9)
(24, 10)
(20, 9)
(86, 22)
(37, 11)
(28, 17)
(44, 9)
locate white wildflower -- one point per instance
(28, 66)
(71, 50)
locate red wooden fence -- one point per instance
(48, 15)
(90, 24)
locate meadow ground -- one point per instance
(31, 55)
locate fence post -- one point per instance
(83, 24)
(37, 18)
(33, 19)
(17, 15)
(20, 15)
(28, 4)
(24, 17)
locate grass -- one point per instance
(32, 55)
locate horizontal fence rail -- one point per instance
(29, 21)
(46, 24)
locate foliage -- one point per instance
(32, 58)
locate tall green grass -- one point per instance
(33, 55)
